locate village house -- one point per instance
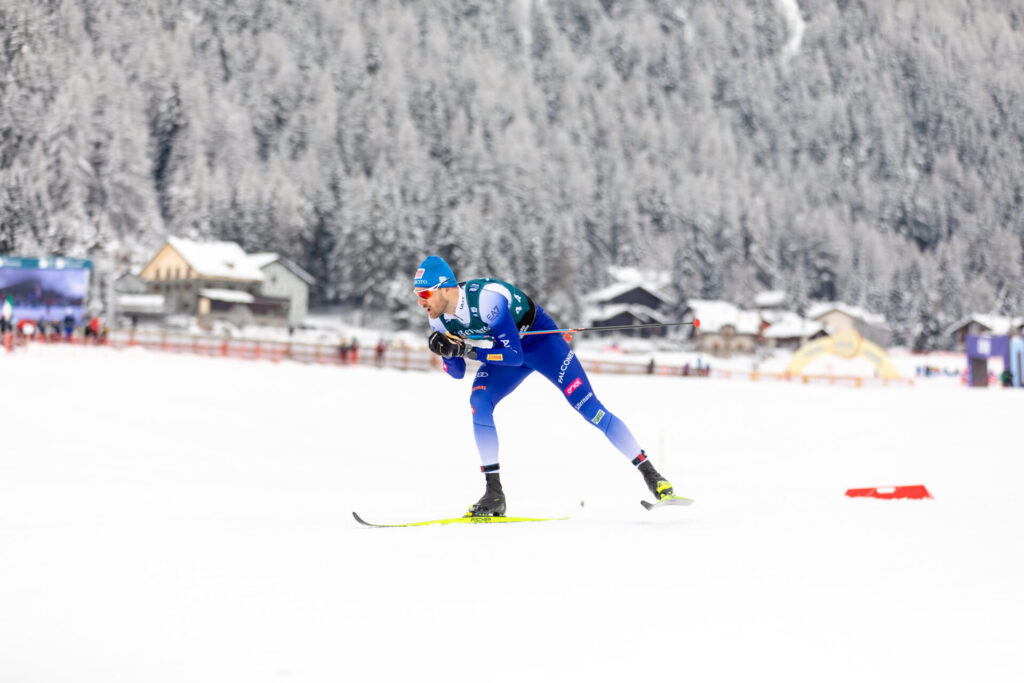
(219, 281)
(724, 329)
(633, 300)
(782, 328)
(283, 279)
(788, 330)
(836, 316)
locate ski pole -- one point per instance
(572, 330)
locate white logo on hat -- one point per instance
(419, 273)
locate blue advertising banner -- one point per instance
(50, 288)
(981, 347)
(987, 345)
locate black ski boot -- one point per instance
(659, 486)
(492, 503)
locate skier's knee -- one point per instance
(602, 420)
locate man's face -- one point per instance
(437, 301)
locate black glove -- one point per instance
(448, 346)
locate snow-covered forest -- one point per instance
(871, 152)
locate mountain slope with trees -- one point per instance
(836, 149)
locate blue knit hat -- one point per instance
(434, 272)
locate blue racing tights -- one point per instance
(550, 355)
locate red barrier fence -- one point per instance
(404, 358)
(272, 350)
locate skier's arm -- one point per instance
(508, 350)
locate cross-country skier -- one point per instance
(500, 311)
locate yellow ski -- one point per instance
(464, 520)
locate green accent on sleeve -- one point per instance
(477, 327)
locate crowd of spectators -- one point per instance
(14, 332)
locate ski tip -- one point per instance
(670, 500)
(360, 519)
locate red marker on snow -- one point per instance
(917, 491)
(696, 322)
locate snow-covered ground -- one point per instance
(181, 519)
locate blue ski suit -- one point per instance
(512, 358)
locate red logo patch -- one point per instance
(573, 387)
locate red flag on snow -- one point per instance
(917, 491)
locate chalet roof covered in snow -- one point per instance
(716, 315)
(264, 259)
(788, 325)
(820, 309)
(644, 313)
(656, 283)
(996, 324)
(217, 259)
(620, 288)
